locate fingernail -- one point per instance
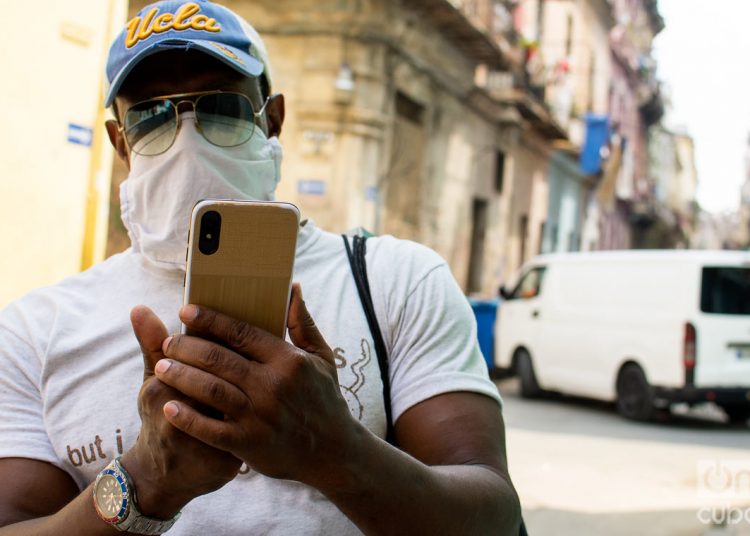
(189, 312)
(162, 366)
(165, 344)
(171, 409)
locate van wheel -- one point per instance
(738, 414)
(525, 369)
(635, 398)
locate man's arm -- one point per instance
(32, 489)
(39, 498)
(43, 500)
(454, 480)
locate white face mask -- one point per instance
(158, 196)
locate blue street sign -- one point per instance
(311, 187)
(80, 135)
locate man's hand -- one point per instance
(169, 467)
(284, 414)
(285, 417)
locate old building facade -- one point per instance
(635, 106)
(673, 182)
(572, 37)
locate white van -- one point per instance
(641, 328)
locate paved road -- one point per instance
(581, 469)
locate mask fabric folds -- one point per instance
(158, 196)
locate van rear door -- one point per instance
(723, 328)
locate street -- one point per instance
(581, 469)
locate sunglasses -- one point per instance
(225, 119)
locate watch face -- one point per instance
(111, 497)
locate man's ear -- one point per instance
(117, 139)
(275, 112)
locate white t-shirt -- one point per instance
(71, 368)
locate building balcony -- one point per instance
(481, 29)
(514, 90)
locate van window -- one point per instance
(530, 285)
(726, 291)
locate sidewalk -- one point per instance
(581, 469)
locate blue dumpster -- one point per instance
(485, 312)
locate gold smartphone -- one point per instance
(240, 260)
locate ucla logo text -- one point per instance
(185, 18)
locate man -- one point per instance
(297, 447)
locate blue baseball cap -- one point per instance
(177, 24)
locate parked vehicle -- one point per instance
(643, 329)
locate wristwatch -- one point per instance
(115, 502)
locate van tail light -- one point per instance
(689, 353)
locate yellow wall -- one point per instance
(52, 64)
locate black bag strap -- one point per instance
(359, 270)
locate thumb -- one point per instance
(302, 329)
(150, 332)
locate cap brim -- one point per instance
(233, 57)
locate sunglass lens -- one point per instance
(151, 126)
(226, 119)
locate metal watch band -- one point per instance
(146, 525)
(135, 521)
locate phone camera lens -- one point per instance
(210, 230)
